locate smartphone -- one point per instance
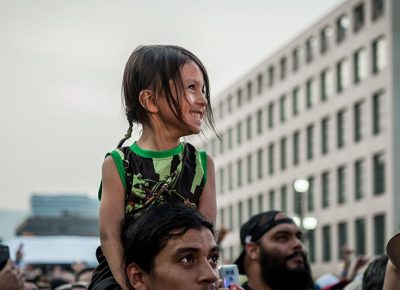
(229, 274)
(4, 255)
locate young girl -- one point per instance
(166, 90)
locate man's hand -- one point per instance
(11, 277)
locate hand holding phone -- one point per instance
(4, 255)
(229, 275)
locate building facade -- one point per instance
(56, 215)
(323, 108)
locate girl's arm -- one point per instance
(208, 201)
(112, 208)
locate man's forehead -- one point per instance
(202, 239)
(284, 227)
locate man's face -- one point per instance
(188, 262)
(285, 240)
(283, 259)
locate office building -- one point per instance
(323, 107)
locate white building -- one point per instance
(324, 107)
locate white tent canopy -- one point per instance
(55, 249)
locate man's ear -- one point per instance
(148, 101)
(252, 250)
(135, 277)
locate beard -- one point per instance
(276, 274)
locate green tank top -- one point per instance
(174, 175)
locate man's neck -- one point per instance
(258, 285)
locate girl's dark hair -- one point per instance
(145, 236)
(152, 67)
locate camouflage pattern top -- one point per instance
(174, 175)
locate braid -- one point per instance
(127, 135)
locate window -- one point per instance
(222, 143)
(309, 93)
(379, 174)
(260, 162)
(249, 207)
(239, 98)
(359, 179)
(230, 138)
(379, 54)
(284, 198)
(325, 35)
(342, 25)
(360, 65)
(377, 112)
(271, 159)
(295, 101)
(259, 121)
(297, 203)
(296, 58)
(271, 76)
(310, 142)
(239, 173)
(310, 47)
(358, 121)
(230, 104)
(326, 84)
(272, 199)
(360, 237)
(340, 129)
(230, 215)
(248, 127)
(260, 201)
(230, 176)
(341, 185)
(221, 216)
(249, 90)
(271, 115)
(377, 9)
(296, 148)
(283, 68)
(311, 245)
(249, 168)
(240, 213)
(283, 153)
(326, 245)
(342, 75)
(325, 189)
(310, 194)
(342, 238)
(379, 234)
(239, 133)
(259, 83)
(221, 180)
(282, 102)
(324, 135)
(358, 17)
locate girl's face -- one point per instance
(192, 99)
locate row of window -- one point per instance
(226, 175)
(326, 86)
(360, 238)
(343, 77)
(342, 239)
(302, 204)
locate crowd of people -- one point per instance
(172, 246)
(158, 201)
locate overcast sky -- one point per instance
(61, 65)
